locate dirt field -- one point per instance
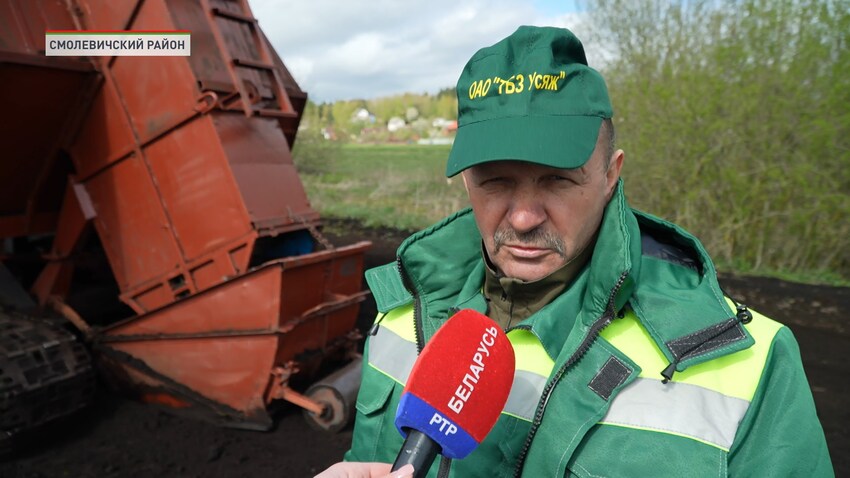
(120, 438)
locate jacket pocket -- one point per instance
(375, 391)
(641, 452)
(375, 436)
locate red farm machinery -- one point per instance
(153, 226)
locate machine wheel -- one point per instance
(338, 393)
(336, 414)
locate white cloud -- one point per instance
(357, 49)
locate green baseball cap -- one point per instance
(529, 97)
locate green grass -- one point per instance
(398, 186)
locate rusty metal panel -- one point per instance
(23, 23)
(206, 61)
(240, 257)
(240, 44)
(158, 92)
(267, 299)
(105, 136)
(262, 166)
(346, 273)
(313, 290)
(250, 303)
(208, 274)
(218, 347)
(107, 14)
(230, 370)
(326, 312)
(133, 228)
(198, 191)
(151, 297)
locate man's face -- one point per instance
(535, 219)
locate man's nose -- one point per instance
(526, 212)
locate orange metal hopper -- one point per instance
(182, 168)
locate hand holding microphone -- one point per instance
(456, 391)
(365, 470)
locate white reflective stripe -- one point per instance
(391, 354)
(679, 409)
(525, 393)
(395, 356)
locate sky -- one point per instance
(356, 49)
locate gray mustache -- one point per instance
(537, 237)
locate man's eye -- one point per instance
(493, 181)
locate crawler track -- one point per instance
(45, 374)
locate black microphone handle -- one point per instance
(419, 450)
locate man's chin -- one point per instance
(529, 273)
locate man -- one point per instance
(630, 360)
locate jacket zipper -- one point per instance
(742, 316)
(445, 463)
(445, 467)
(591, 336)
(417, 308)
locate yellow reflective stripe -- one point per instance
(400, 321)
(631, 338)
(529, 353)
(533, 367)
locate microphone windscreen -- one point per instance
(459, 384)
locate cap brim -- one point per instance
(564, 142)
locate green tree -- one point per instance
(342, 113)
(445, 104)
(734, 117)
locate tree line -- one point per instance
(410, 107)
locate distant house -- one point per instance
(362, 115)
(395, 123)
(328, 133)
(440, 123)
(444, 127)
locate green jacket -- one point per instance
(592, 401)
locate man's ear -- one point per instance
(613, 173)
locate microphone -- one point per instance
(455, 392)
